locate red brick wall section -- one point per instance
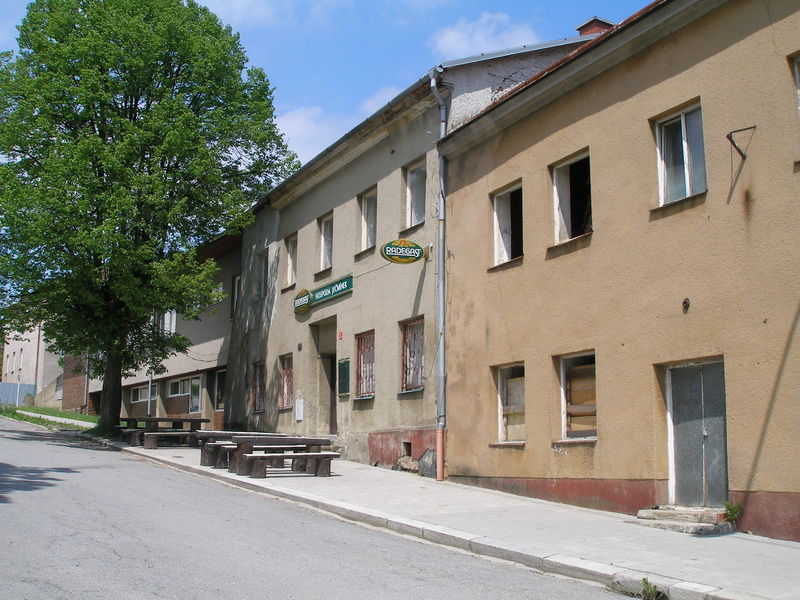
(74, 384)
(386, 447)
(771, 514)
(218, 420)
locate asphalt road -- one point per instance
(83, 522)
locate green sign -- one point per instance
(304, 299)
(402, 251)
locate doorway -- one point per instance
(324, 334)
(699, 446)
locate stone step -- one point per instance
(687, 527)
(684, 514)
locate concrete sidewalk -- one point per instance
(608, 548)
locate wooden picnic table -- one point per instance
(245, 443)
(151, 424)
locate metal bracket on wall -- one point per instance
(733, 142)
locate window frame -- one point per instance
(195, 408)
(688, 158)
(368, 219)
(286, 400)
(169, 321)
(290, 245)
(365, 364)
(410, 384)
(142, 393)
(502, 375)
(418, 216)
(217, 391)
(560, 173)
(502, 206)
(325, 248)
(794, 64)
(565, 389)
(182, 390)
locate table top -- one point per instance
(168, 419)
(280, 440)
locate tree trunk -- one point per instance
(111, 396)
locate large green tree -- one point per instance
(131, 133)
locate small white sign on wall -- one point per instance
(298, 407)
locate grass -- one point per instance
(96, 431)
(53, 412)
(11, 413)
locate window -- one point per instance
(365, 364)
(13, 361)
(326, 242)
(219, 390)
(413, 354)
(795, 62)
(168, 321)
(573, 199)
(178, 387)
(511, 402)
(259, 387)
(416, 176)
(139, 394)
(287, 381)
(681, 155)
(60, 387)
(236, 289)
(194, 395)
(291, 259)
(578, 396)
(368, 203)
(507, 226)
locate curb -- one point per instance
(614, 578)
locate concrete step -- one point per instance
(687, 527)
(684, 514)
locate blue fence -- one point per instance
(14, 394)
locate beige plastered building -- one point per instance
(624, 271)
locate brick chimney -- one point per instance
(594, 25)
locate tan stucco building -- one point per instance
(624, 270)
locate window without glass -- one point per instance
(368, 204)
(578, 391)
(291, 259)
(365, 364)
(413, 354)
(507, 225)
(326, 242)
(287, 381)
(511, 402)
(573, 199)
(416, 177)
(682, 156)
(258, 387)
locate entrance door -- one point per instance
(700, 448)
(329, 365)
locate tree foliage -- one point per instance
(131, 133)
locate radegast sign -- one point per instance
(304, 299)
(402, 251)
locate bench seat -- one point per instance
(318, 463)
(151, 437)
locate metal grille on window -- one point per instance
(413, 355)
(365, 364)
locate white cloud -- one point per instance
(309, 130)
(491, 31)
(379, 98)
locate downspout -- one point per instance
(86, 386)
(441, 251)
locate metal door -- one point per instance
(700, 447)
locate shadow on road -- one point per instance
(26, 479)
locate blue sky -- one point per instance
(334, 62)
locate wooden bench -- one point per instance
(151, 437)
(131, 435)
(318, 463)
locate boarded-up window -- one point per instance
(365, 364)
(579, 387)
(413, 354)
(511, 393)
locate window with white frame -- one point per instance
(291, 259)
(60, 387)
(681, 155)
(179, 387)
(578, 396)
(365, 364)
(413, 333)
(326, 242)
(259, 387)
(194, 394)
(507, 209)
(287, 381)
(572, 197)
(219, 389)
(169, 321)
(368, 204)
(416, 176)
(139, 394)
(236, 289)
(511, 402)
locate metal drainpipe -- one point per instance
(441, 373)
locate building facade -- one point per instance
(624, 271)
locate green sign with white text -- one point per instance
(304, 299)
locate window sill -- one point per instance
(361, 254)
(260, 411)
(285, 408)
(408, 392)
(288, 288)
(676, 206)
(509, 444)
(586, 441)
(517, 260)
(139, 401)
(569, 246)
(323, 274)
(409, 230)
(365, 397)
